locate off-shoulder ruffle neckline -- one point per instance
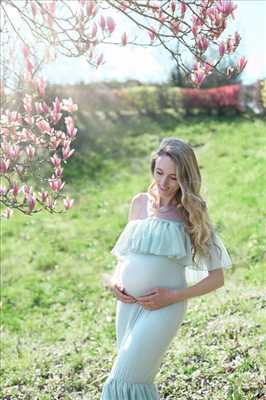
(165, 237)
(153, 235)
(152, 217)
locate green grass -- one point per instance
(58, 333)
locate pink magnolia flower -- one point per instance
(55, 116)
(43, 196)
(183, 9)
(56, 160)
(162, 17)
(237, 38)
(57, 105)
(124, 39)
(203, 8)
(66, 142)
(194, 30)
(43, 126)
(31, 200)
(102, 22)
(218, 20)
(198, 76)
(68, 203)
(152, 33)
(226, 7)
(15, 190)
(56, 184)
(175, 26)
(33, 9)
(229, 72)
(241, 64)
(45, 107)
(40, 83)
(208, 68)
(67, 152)
(41, 107)
(124, 5)
(110, 24)
(71, 130)
(30, 150)
(13, 152)
(49, 18)
(58, 172)
(230, 45)
(54, 143)
(4, 165)
(25, 51)
(202, 43)
(51, 6)
(91, 8)
(24, 135)
(155, 5)
(27, 103)
(68, 105)
(173, 5)
(221, 49)
(14, 118)
(197, 21)
(29, 119)
(100, 60)
(26, 189)
(38, 107)
(50, 203)
(94, 30)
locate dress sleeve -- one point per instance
(218, 257)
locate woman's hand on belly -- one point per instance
(121, 294)
(157, 298)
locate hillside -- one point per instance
(58, 319)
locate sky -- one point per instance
(153, 65)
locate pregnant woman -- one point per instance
(168, 230)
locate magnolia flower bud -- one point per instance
(241, 64)
(68, 203)
(221, 49)
(110, 24)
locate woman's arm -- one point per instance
(161, 297)
(213, 281)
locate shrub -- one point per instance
(216, 99)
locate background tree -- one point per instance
(36, 135)
(217, 78)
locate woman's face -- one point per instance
(165, 177)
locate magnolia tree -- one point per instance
(36, 136)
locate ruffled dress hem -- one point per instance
(120, 390)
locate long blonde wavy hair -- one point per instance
(193, 207)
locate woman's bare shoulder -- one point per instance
(138, 202)
(140, 197)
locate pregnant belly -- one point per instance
(140, 273)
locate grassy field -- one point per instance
(57, 334)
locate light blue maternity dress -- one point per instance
(152, 252)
